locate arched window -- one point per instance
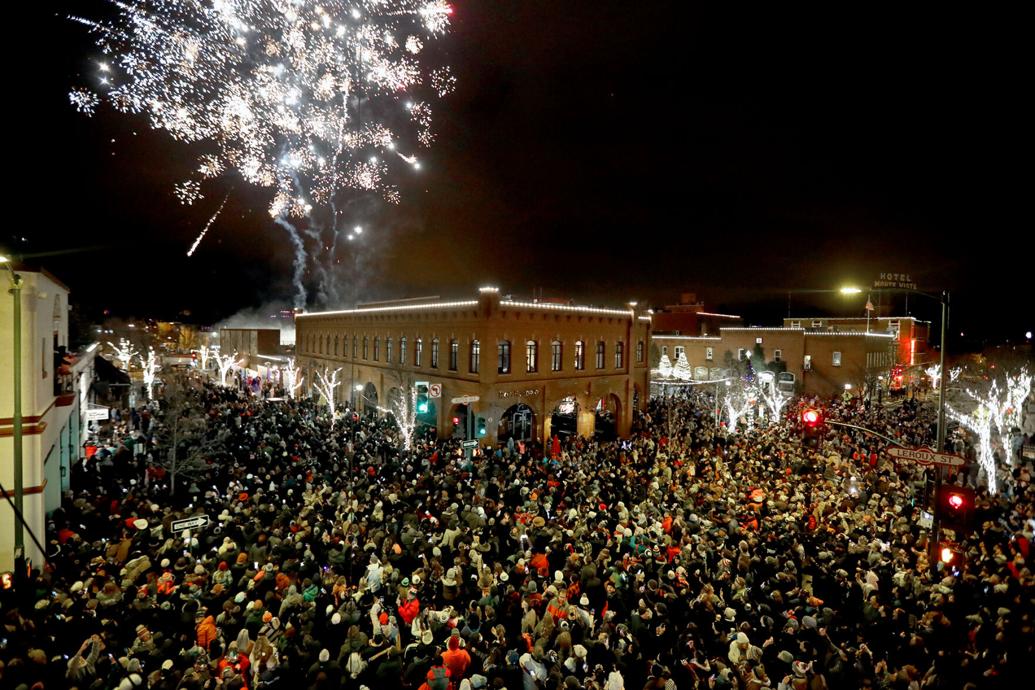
(366, 346)
(601, 354)
(454, 352)
(619, 355)
(418, 352)
(388, 350)
(355, 339)
(402, 350)
(580, 355)
(335, 346)
(503, 357)
(476, 356)
(639, 352)
(531, 356)
(434, 353)
(556, 354)
(377, 348)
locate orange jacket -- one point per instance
(206, 632)
(456, 660)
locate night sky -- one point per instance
(601, 150)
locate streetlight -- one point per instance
(19, 474)
(944, 300)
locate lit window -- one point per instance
(580, 355)
(709, 354)
(476, 356)
(366, 344)
(503, 357)
(837, 359)
(388, 350)
(418, 352)
(619, 355)
(639, 352)
(434, 353)
(777, 354)
(402, 350)
(601, 354)
(531, 356)
(454, 352)
(556, 350)
(377, 348)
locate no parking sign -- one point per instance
(435, 390)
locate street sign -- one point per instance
(97, 414)
(470, 444)
(926, 519)
(926, 456)
(465, 400)
(435, 390)
(190, 523)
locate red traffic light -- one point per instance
(456, 421)
(810, 417)
(955, 501)
(947, 555)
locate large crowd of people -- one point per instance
(683, 557)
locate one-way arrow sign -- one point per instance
(190, 523)
(926, 456)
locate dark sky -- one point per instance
(601, 150)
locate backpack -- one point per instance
(437, 679)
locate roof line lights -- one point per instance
(565, 307)
(724, 316)
(402, 307)
(659, 336)
(875, 335)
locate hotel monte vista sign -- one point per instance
(894, 281)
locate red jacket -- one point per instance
(409, 610)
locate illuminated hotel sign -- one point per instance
(896, 281)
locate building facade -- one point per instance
(53, 401)
(536, 368)
(816, 363)
(690, 318)
(910, 334)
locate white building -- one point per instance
(54, 392)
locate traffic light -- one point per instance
(954, 507)
(950, 555)
(422, 397)
(812, 422)
(481, 426)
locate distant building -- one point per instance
(690, 318)
(536, 367)
(823, 363)
(250, 344)
(55, 390)
(911, 335)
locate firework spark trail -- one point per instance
(299, 262)
(276, 88)
(201, 236)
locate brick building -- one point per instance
(911, 335)
(689, 318)
(536, 367)
(821, 363)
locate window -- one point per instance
(817, 324)
(777, 355)
(454, 352)
(580, 355)
(837, 358)
(601, 352)
(795, 324)
(476, 356)
(709, 354)
(418, 351)
(388, 350)
(366, 348)
(639, 352)
(619, 355)
(740, 354)
(402, 350)
(679, 349)
(354, 338)
(377, 347)
(503, 357)
(664, 350)
(555, 355)
(335, 346)
(434, 353)
(531, 356)
(758, 341)
(807, 366)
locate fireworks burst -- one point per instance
(306, 98)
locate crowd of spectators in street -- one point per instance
(683, 557)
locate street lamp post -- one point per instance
(19, 478)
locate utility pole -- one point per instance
(19, 471)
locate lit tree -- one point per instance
(979, 422)
(204, 352)
(738, 401)
(403, 408)
(326, 385)
(665, 367)
(226, 364)
(775, 400)
(935, 372)
(150, 366)
(124, 352)
(292, 378)
(183, 431)
(682, 369)
(1008, 415)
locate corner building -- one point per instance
(536, 367)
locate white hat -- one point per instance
(140, 523)
(167, 665)
(325, 656)
(336, 619)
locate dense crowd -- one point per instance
(684, 557)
